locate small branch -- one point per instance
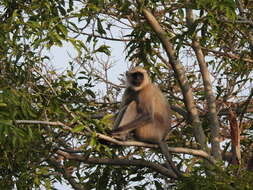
(102, 37)
(56, 123)
(245, 106)
(54, 92)
(108, 82)
(227, 54)
(120, 162)
(65, 174)
(239, 108)
(240, 21)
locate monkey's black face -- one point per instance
(135, 78)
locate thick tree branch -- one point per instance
(180, 74)
(209, 95)
(199, 153)
(120, 162)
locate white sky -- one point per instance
(60, 57)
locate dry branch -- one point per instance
(235, 138)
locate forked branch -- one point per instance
(209, 95)
(180, 75)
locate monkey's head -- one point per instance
(137, 78)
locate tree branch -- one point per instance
(248, 34)
(54, 92)
(120, 162)
(65, 174)
(227, 54)
(180, 75)
(209, 95)
(235, 137)
(199, 153)
(99, 36)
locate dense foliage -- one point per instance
(54, 126)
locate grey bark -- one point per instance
(180, 75)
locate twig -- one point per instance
(102, 37)
(54, 92)
(65, 174)
(227, 54)
(245, 106)
(56, 123)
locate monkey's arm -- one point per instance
(136, 123)
(119, 117)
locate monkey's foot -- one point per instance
(117, 134)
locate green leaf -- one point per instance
(63, 29)
(100, 27)
(3, 105)
(103, 49)
(91, 93)
(93, 140)
(6, 122)
(78, 128)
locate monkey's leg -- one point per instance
(140, 121)
(164, 148)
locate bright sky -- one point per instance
(60, 58)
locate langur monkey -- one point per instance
(145, 112)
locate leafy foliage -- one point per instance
(43, 111)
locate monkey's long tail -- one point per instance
(164, 148)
